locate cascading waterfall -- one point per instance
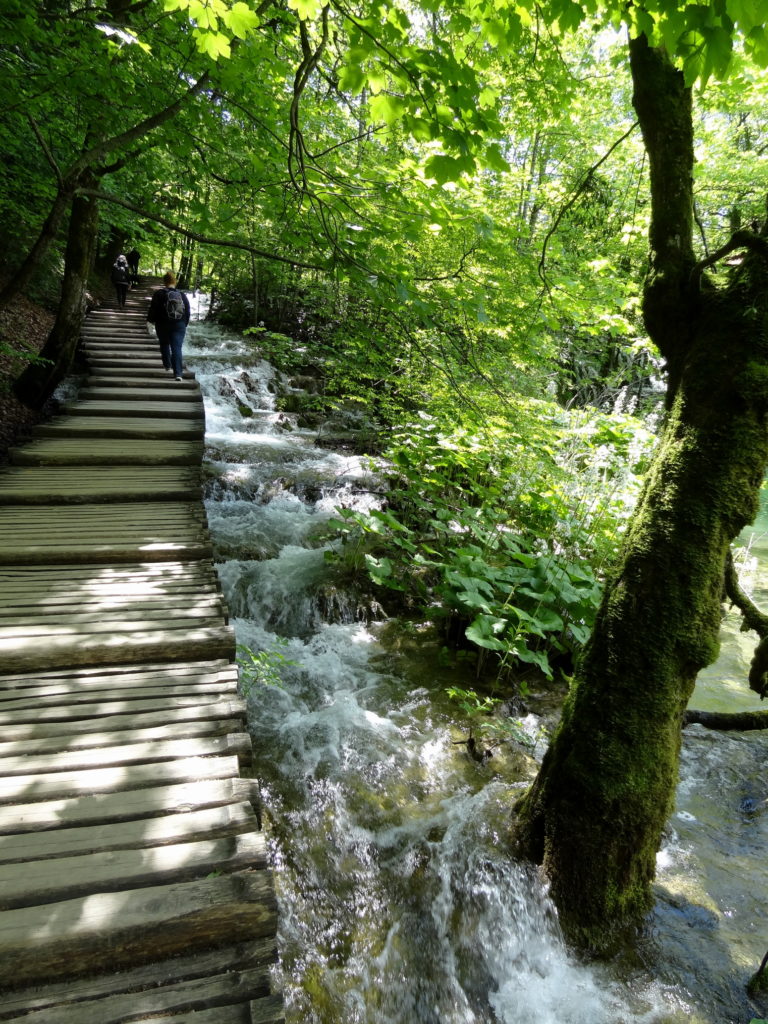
(398, 904)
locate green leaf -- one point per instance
(386, 107)
(483, 632)
(240, 19)
(352, 79)
(306, 9)
(444, 168)
(493, 158)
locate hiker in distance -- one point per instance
(169, 312)
(133, 264)
(121, 279)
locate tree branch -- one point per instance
(741, 239)
(195, 236)
(567, 206)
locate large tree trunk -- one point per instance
(39, 380)
(596, 811)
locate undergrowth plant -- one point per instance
(261, 668)
(500, 535)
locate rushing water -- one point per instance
(398, 904)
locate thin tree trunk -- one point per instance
(39, 380)
(47, 235)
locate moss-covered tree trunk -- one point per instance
(595, 813)
(38, 381)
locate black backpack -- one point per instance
(120, 273)
(174, 304)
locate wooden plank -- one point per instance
(89, 626)
(71, 760)
(63, 703)
(205, 607)
(171, 393)
(174, 645)
(215, 999)
(165, 974)
(112, 426)
(60, 785)
(126, 380)
(181, 409)
(189, 826)
(67, 552)
(98, 735)
(43, 485)
(109, 451)
(80, 811)
(21, 725)
(152, 674)
(124, 929)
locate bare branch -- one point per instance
(195, 236)
(567, 206)
(741, 239)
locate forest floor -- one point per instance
(24, 326)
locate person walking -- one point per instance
(169, 311)
(121, 279)
(133, 264)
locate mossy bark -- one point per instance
(595, 813)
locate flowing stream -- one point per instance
(398, 904)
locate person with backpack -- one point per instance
(133, 258)
(169, 312)
(121, 279)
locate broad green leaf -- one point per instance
(386, 107)
(306, 9)
(352, 79)
(240, 19)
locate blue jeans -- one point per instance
(171, 338)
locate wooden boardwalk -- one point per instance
(133, 878)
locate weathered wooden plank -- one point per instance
(58, 785)
(106, 451)
(215, 999)
(206, 607)
(174, 645)
(166, 974)
(237, 743)
(112, 426)
(171, 576)
(67, 552)
(172, 394)
(96, 736)
(120, 929)
(88, 626)
(181, 409)
(152, 674)
(120, 370)
(118, 552)
(189, 826)
(43, 485)
(107, 808)
(63, 704)
(22, 725)
(127, 510)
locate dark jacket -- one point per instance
(157, 314)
